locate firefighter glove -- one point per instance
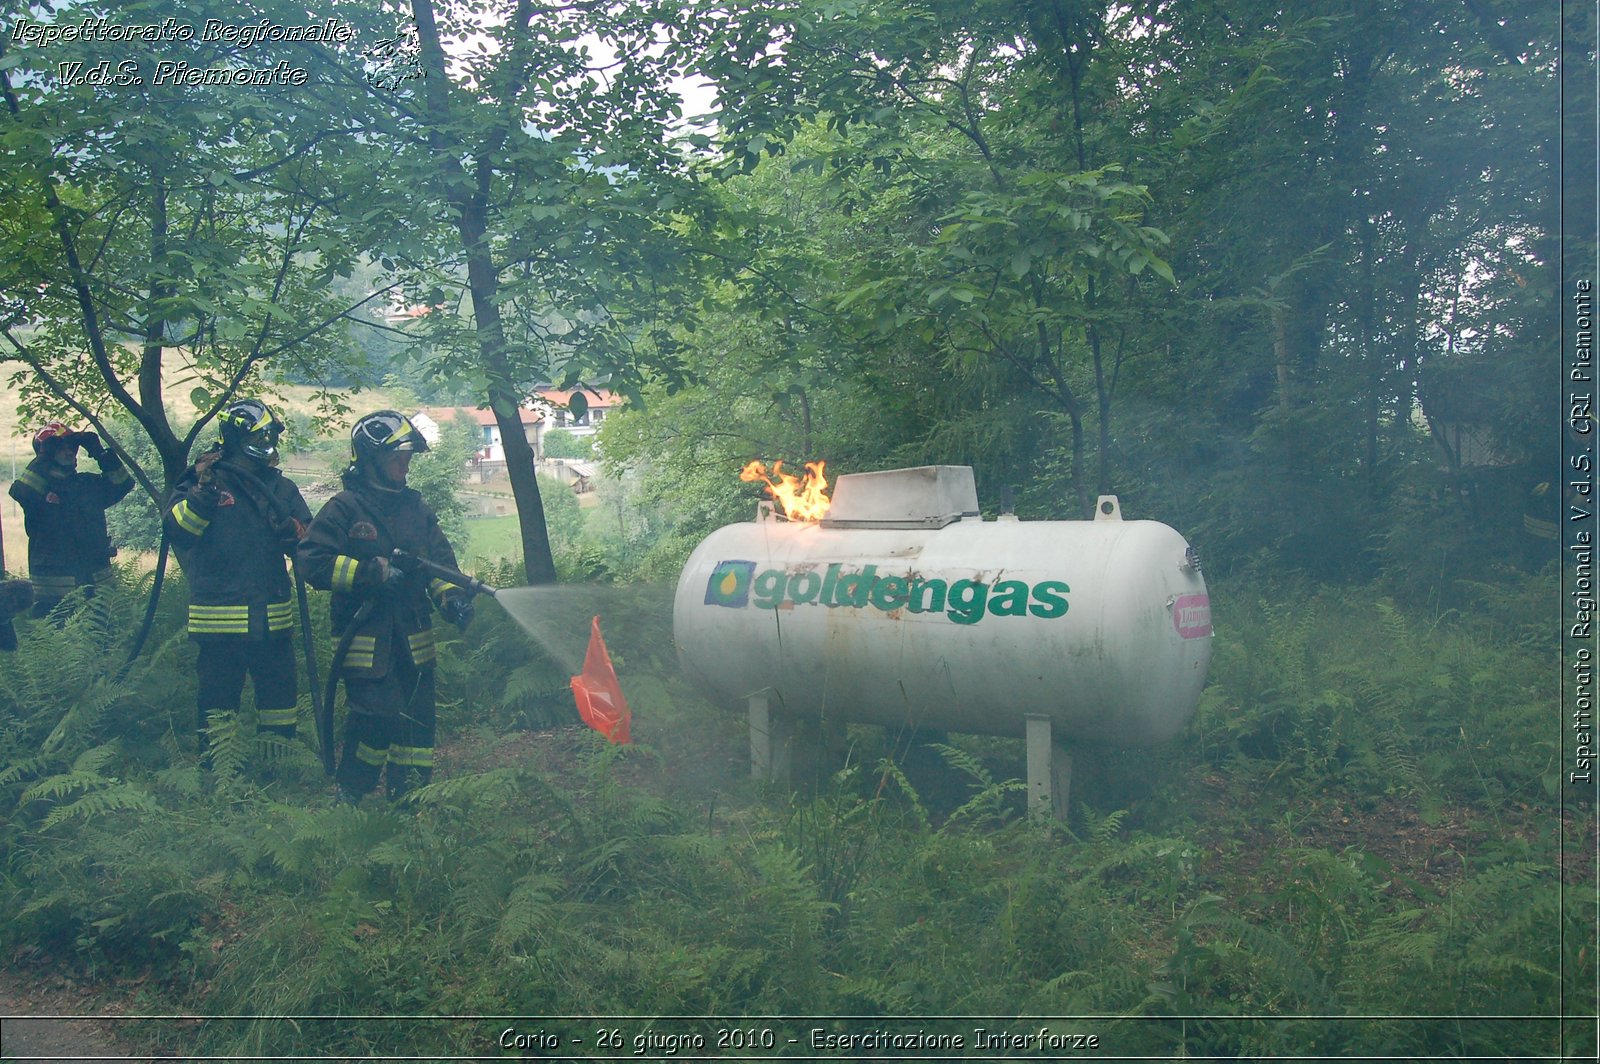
(202, 466)
(289, 533)
(458, 610)
(90, 442)
(391, 582)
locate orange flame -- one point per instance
(802, 499)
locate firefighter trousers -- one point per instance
(389, 730)
(222, 666)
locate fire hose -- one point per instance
(331, 692)
(443, 572)
(150, 607)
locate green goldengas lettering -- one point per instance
(963, 601)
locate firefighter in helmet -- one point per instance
(381, 611)
(232, 520)
(64, 513)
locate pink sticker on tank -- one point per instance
(1191, 615)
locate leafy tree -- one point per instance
(1348, 188)
(563, 515)
(557, 181)
(162, 234)
(778, 374)
(135, 522)
(1010, 254)
(1319, 170)
(438, 473)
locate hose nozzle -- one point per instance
(441, 572)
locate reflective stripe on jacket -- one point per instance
(231, 543)
(358, 526)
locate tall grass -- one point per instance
(1193, 911)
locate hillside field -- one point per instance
(16, 451)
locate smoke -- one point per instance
(636, 620)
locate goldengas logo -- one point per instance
(737, 584)
(730, 584)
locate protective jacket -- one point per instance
(231, 535)
(356, 528)
(64, 514)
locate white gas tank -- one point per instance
(904, 607)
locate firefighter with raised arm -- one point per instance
(381, 611)
(233, 519)
(64, 513)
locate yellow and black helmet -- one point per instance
(384, 433)
(250, 428)
(379, 435)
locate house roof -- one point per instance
(402, 312)
(599, 398)
(483, 416)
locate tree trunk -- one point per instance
(1280, 353)
(152, 413)
(95, 337)
(469, 196)
(1371, 357)
(1102, 394)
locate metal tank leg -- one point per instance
(771, 735)
(1049, 770)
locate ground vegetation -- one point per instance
(1285, 277)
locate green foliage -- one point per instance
(946, 219)
(496, 677)
(1313, 688)
(135, 522)
(630, 533)
(596, 886)
(562, 516)
(1249, 266)
(197, 221)
(562, 443)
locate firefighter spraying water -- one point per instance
(378, 548)
(382, 609)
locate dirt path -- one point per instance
(32, 1026)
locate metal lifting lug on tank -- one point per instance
(903, 607)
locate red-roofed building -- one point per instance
(546, 410)
(489, 446)
(601, 403)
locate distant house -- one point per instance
(573, 472)
(1461, 416)
(546, 409)
(556, 402)
(402, 313)
(490, 460)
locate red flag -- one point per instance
(600, 701)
